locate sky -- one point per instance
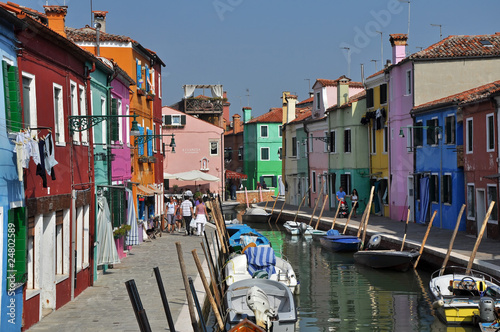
(257, 49)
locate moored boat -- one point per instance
(317, 234)
(256, 215)
(268, 303)
(247, 326)
(240, 235)
(335, 241)
(462, 298)
(297, 228)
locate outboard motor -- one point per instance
(486, 309)
(374, 241)
(303, 227)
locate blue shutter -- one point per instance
(139, 74)
(150, 143)
(141, 144)
(148, 86)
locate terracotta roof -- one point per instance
(19, 10)
(462, 46)
(464, 97)
(376, 74)
(352, 99)
(303, 115)
(274, 115)
(99, 13)
(88, 34)
(326, 82)
(56, 9)
(308, 100)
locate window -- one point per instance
(318, 98)
(214, 148)
(139, 79)
(29, 101)
(159, 85)
(347, 140)
(279, 152)
(104, 126)
(490, 133)
(419, 134)
(383, 94)
(79, 238)
(298, 149)
(409, 139)
(447, 187)
(263, 131)
(264, 153)
(294, 146)
(345, 182)
(374, 140)
(333, 141)
(469, 136)
(83, 111)
(228, 154)
(154, 139)
(325, 144)
(434, 188)
(58, 114)
(369, 98)
(127, 125)
(62, 242)
(432, 131)
(86, 223)
(240, 153)
(313, 179)
(449, 129)
(408, 82)
(471, 204)
(386, 139)
(74, 107)
(120, 121)
(492, 196)
(280, 131)
(271, 181)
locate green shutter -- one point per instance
(183, 120)
(5, 72)
(168, 120)
(16, 259)
(115, 136)
(15, 100)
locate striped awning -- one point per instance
(156, 190)
(145, 191)
(235, 175)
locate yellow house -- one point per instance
(376, 119)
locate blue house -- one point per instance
(439, 174)
(12, 207)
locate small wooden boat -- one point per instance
(254, 261)
(256, 215)
(297, 228)
(335, 241)
(386, 259)
(462, 298)
(268, 303)
(490, 326)
(240, 235)
(247, 326)
(317, 234)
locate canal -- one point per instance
(339, 295)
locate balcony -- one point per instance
(203, 105)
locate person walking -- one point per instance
(171, 207)
(178, 215)
(200, 216)
(354, 201)
(187, 213)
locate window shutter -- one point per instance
(117, 206)
(183, 120)
(16, 217)
(12, 97)
(148, 86)
(275, 181)
(140, 149)
(139, 74)
(115, 135)
(167, 119)
(150, 143)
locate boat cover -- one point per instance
(333, 232)
(260, 258)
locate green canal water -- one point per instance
(338, 295)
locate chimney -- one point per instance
(237, 123)
(284, 105)
(343, 90)
(225, 106)
(56, 15)
(100, 17)
(398, 43)
(290, 109)
(247, 114)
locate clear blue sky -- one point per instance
(274, 46)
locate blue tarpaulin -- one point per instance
(260, 258)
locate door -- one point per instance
(47, 262)
(480, 210)
(411, 198)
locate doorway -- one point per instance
(411, 198)
(480, 210)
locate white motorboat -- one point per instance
(268, 303)
(297, 228)
(261, 259)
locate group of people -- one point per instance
(354, 198)
(193, 213)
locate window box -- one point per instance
(152, 159)
(141, 92)
(143, 159)
(150, 97)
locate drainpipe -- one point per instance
(308, 170)
(73, 244)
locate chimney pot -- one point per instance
(56, 15)
(100, 17)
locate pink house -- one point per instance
(199, 145)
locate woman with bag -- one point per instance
(200, 217)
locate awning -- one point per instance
(145, 191)
(492, 176)
(156, 190)
(235, 175)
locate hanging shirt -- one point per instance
(50, 160)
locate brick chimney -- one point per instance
(225, 106)
(56, 15)
(398, 43)
(237, 127)
(100, 17)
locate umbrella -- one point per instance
(195, 175)
(168, 176)
(106, 248)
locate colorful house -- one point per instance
(349, 158)
(262, 141)
(376, 119)
(233, 154)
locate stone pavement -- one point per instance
(106, 306)
(487, 258)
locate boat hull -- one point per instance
(340, 243)
(386, 259)
(236, 231)
(255, 215)
(297, 228)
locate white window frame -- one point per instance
(280, 131)
(86, 232)
(318, 99)
(298, 148)
(445, 139)
(469, 149)
(268, 154)
(159, 86)
(210, 148)
(73, 93)
(34, 253)
(325, 143)
(441, 183)
(62, 246)
(79, 238)
(33, 121)
(408, 80)
(267, 131)
(177, 121)
(472, 186)
(127, 126)
(82, 97)
(59, 132)
(488, 117)
(409, 140)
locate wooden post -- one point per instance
(367, 217)
(213, 278)
(349, 219)
(336, 214)
(315, 206)
(445, 261)
(260, 194)
(282, 206)
(272, 210)
(361, 222)
(479, 237)
(189, 296)
(207, 290)
(406, 229)
(302, 202)
(246, 197)
(425, 239)
(321, 213)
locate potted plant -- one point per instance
(119, 235)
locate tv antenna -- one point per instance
(248, 97)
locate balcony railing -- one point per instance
(203, 105)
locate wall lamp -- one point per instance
(141, 139)
(84, 122)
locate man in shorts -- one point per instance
(187, 214)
